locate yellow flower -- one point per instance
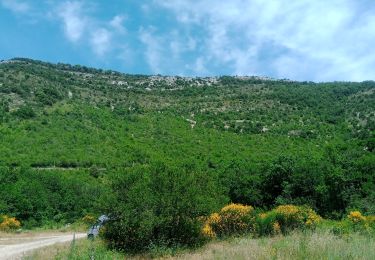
(231, 219)
(214, 218)
(8, 223)
(312, 219)
(356, 217)
(207, 231)
(238, 208)
(287, 210)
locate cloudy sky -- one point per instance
(319, 40)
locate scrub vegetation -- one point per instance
(160, 155)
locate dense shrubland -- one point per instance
(41, 198)
(150, 149)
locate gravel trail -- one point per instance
(14, 247)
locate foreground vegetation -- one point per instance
(310, 245)
(240, 232)
(318, 244)
(162, 154)
(77, 250)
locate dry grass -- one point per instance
(294, 246)
(80, 249)
(49, 252)
(313, 245)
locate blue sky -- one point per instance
(317, 40)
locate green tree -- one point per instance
(160, 205)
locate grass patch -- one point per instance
(297, 245)
(318, 244)
(79, 249)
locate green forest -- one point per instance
(156, 152)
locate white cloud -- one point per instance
(170, 53)
(73, 19)
(101, 41)
(153, 51)
(199, 67)
(16, 6)
(305, 40)
(178, 45)
(81, 27)
(117, 23)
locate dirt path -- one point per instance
(15, 247)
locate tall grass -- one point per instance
(80, 249)
(318, 244)
(297, 245)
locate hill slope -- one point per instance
(271, 141)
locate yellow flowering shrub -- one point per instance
(354, 222)
(361, 223)
(207, 231)
(214, 219)
(288, 210)
(9, 224)
(356, 217)
(312, 219)
(289, 217)
(239, 219)
(236, 209)
(232, 219)
(285, 218)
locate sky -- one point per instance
(307, 40)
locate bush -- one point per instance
(231, 220)
(237, 219)
(25, 112)
(160, 206)
(286, 218)
(356, 217)
(48, 95)
(370, 220)
(9, 224)
(267, 224)
(355, 221)
(289, 217)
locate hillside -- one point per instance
(65, 129)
